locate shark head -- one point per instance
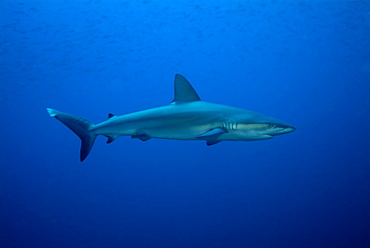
(274, 129)
(260, 131)
(254, 126)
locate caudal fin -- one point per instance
(80, 127)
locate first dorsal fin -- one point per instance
(184, 92)
(110, 115)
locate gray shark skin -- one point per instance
(187, 117)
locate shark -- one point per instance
(186, 117)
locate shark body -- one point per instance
(187, 117)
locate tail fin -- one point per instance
(80, 127)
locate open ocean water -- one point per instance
(306, 62)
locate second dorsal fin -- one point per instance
(184, 92)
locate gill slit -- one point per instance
(229, 125)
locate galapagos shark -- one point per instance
(187, 117)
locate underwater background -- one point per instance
(304, 62)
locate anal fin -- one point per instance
(212, 142)
(110, 139)
(142, 137)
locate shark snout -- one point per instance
(278, 129)
(289, 129)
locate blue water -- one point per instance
(304, 62)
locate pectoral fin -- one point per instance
(213, 133)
